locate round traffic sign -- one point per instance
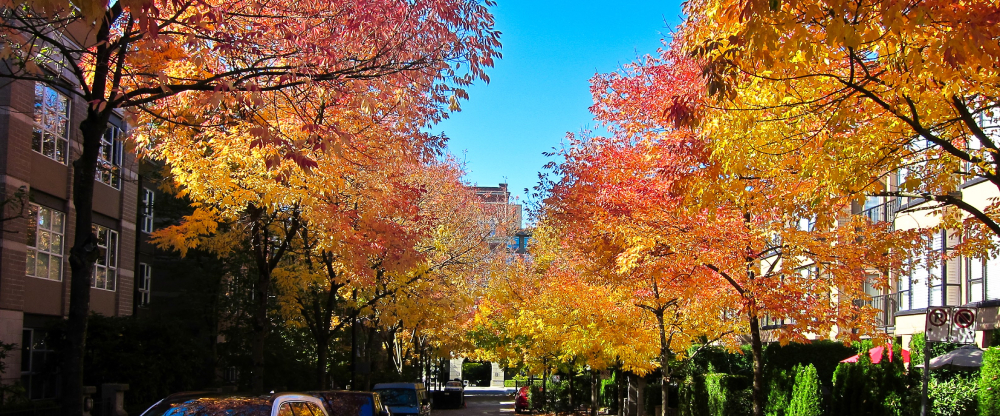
(964, 318)
(938, 317)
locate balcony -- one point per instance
(887, 305)
(884, 212)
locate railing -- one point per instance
(884, 212)
(887, 306)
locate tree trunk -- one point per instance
(370, 343)
(354, 349)
(545, 382)
(260, 330)
(322, 358)
(81, 261)
(84, 251)
(571, 371)
(640, 393)
(622, 396)
(758, 363)
(664, 364)
(595, 400)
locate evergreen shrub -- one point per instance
(806, 395)
(988, 392)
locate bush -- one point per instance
(478, 374)
(779, 384)
(715, 395)
(864, 388)
(954, 397)
(989, 383)
(824, 355)
(806, 395)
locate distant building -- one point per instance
(505, 217)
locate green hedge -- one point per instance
(954, 397)
(715, 394)
(824, 355)
(807, 397)
(989, 383)
(866, 389)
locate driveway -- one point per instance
(482, 402)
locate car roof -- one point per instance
(209, 403)
(341, 392)
(398, 386)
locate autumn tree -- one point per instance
(138, 55)
(891, 99)
(782, 247)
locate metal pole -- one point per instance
(926, 376)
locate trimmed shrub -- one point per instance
(989, 383)
(806, 395)
(824, 355)
(728, 395)
(954, 397)
(779, 391)
(715, 395)
(693, 397)
(864, 388)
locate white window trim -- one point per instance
(148, 205)
(33, 245)
(64, 140)
(111, 270)
(145, 280)
(111, 166)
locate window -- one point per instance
(49, 135)
(106, 268)
(109, 160)
(38, 365)
(983, 279)
(924, 286)
(146, 224)
(45, 243)
(145, 278)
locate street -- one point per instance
(482, 403)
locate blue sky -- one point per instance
(540, 89)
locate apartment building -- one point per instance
(955, 281)
(505, 217)
(39, 140)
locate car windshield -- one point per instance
(212, 406)
(399, 397)
(347, 404)
(453, 384)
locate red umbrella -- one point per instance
(876, 356)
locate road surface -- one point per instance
(482, 402)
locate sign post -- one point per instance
(936, 328)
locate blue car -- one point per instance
(404, 399)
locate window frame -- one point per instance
(33, 250)
(109, 158)
(40, 129)
(109, 259)
(145, 274)
(148, 205)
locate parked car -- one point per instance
(453, 395)
(404, 399)
(521, 401)
(352, 403)
(217, 404)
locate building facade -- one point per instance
(39, 140)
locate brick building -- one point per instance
(39, 140)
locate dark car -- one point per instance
(453, 395)
(352, 403)
(216, 404)
(404, 399)
(521, 402)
